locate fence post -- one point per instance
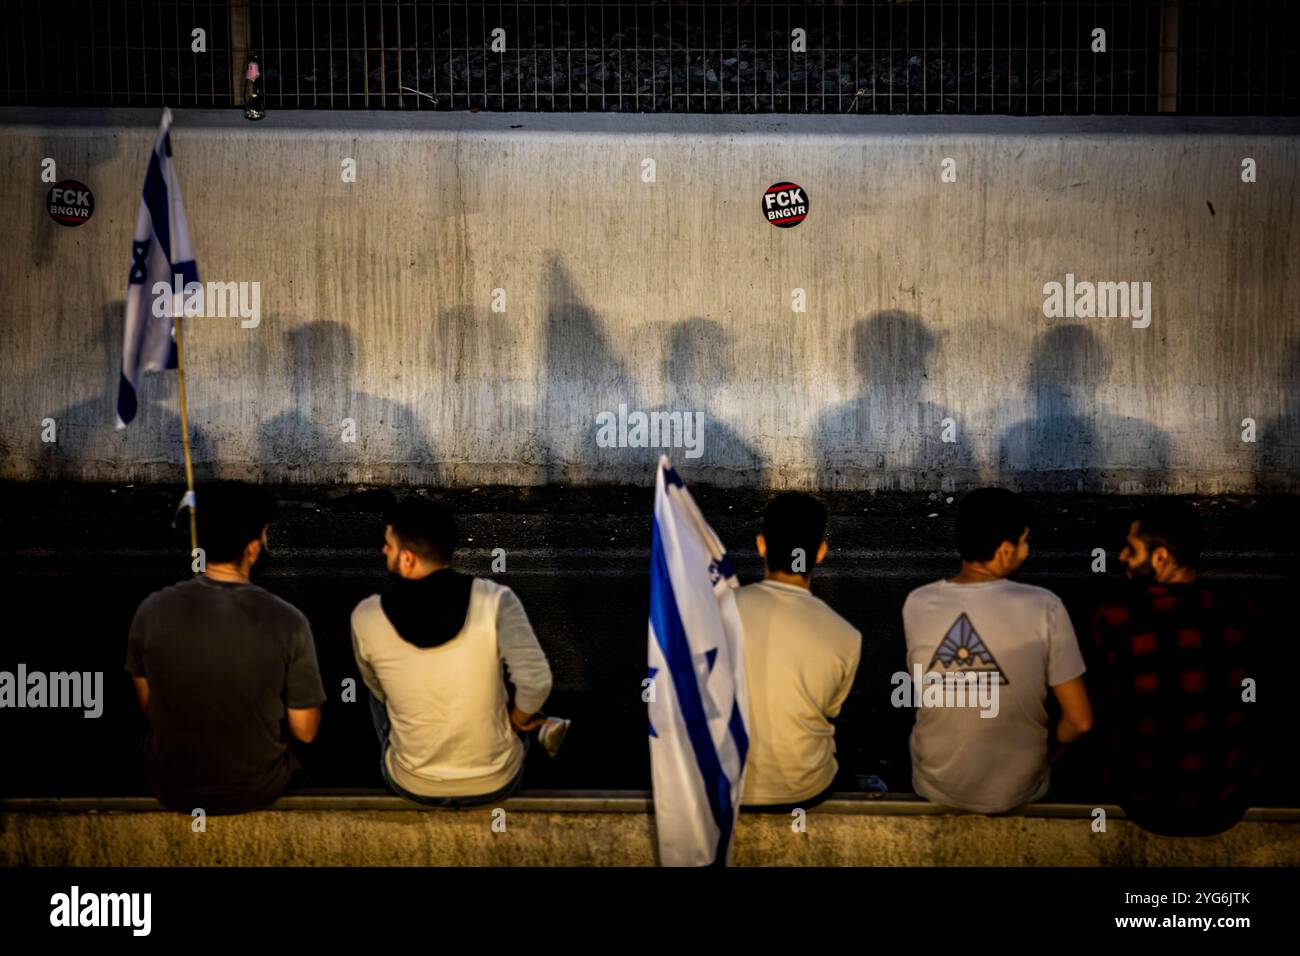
(238, 49)
(1168, 91)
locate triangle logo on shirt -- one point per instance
(963, 651)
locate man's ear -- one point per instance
(821, 552)
(1006, 553)
(253, 551)
(762, 546)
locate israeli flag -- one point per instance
(697, 692)
(161, 252)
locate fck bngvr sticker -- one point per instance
(785, 205)
(70, 203)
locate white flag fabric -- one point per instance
(160, 252)
(698, 703)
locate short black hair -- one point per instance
(424, 527)
(1175, 526)
(230, 514)
(988, 516)
(793, 520)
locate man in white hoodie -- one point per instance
(430, 648)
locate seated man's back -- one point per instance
(800, 661)
(1181, 741)
(984, 651)
(1015, 634)
(431, 649)
(450, 732)
(225, 670)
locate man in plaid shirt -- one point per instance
(1176, 709)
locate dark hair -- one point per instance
(424, 527)
(230, 514)
(988, 516)
(793, 520)
(1175, 526)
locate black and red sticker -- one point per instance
(70, 203)
(785, 204)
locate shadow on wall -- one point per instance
(88, 443)
(891, 436)
(332, 429)
(1069, 442)
(581, 377)
(1277, 460)
(699, 367)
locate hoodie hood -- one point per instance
(428, 611)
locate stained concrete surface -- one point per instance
(925, 301)
(468, 838)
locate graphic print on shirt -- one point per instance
(962, 651)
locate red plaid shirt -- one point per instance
(1182, 758)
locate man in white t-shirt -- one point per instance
(1013, 641)
(800, 660)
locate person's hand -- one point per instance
(524, 722)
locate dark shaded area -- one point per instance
(891, 426)
(328, 410)
(1278, 437)
(1070, 441)
(84, 430)
(77, 559)
(578, 358)
(699, 368)
(1022, 57)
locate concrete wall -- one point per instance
(924, 299)
(593, 832)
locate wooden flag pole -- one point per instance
(185, 432)
(178, 312)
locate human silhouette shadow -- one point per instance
(698, 368)
(1070, 442)
(891, 435)
(88, 444)
(582, 376)
(1277, 461)
(312, 439)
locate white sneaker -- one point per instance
(551, 734)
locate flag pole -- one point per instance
(185, 433)
(177, 323)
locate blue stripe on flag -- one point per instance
(155, 199)
(671, 635)
(737, 727)
(189, 272)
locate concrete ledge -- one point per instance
(347, 122)
(613, 828)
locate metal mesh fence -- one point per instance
(1019, 57)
